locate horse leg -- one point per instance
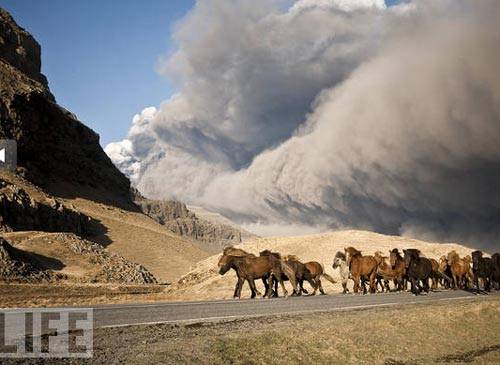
(235, 295)
(373, 287)
(344, 287)
(275, 293)
(387, 287)
(414, 286)
(320, 287)
(266, 286)
(355, 288)
(239, 286)
(313, 284)
(301, 284)
(426, 285)
(285, 292)
(455, 282)
(251, 283)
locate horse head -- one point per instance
(378, 257)
(339, 260)
(224, 263)
(410, 255)
(229, 253)
(393, 257)
(452, 257)
(350, 253)
(443, 263)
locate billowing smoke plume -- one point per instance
(331, 113)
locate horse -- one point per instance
(418, 269)
(250, 267)
(313, 275)
(299, 270)
(482, 268)
(495, 258)
(361, 266)
(340, 262)
(459, 268)
(398, 267)
(291, 271)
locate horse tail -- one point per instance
(329, 278)
(441, 275)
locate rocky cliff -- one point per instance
(179, 219)
(55, 150)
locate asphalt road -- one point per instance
(211, 311)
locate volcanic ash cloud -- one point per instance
(325, 116)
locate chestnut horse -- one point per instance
(249, 267)
(391, 268)
(361, 267)
(460, 269)
(311, 272)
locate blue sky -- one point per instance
(100, 56)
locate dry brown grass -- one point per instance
(60, 295)
(130, 234)
(445, 333)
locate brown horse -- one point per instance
(361, 267)
(435, 274)
(249, 267)
(460, 269)
(391, 268)
(290, 271)
(445, 270)
(311, 272)
(398, 266)
(313, 275)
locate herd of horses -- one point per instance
(378, 271)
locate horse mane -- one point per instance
(414, 251)
(477, 252)
(340, 255)
(269, 253)
(452, 257)
(353, 251)
(396, 252)
(235, 252)
(291, 258)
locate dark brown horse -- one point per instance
(496, 269)
(418, 269)
(482, 268)
(361, 267)
(249, 267)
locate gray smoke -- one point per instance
(329, 115)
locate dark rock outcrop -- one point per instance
(55, 150)
(19, 48)
(176, 217)
(20, 212)
(17, 266)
